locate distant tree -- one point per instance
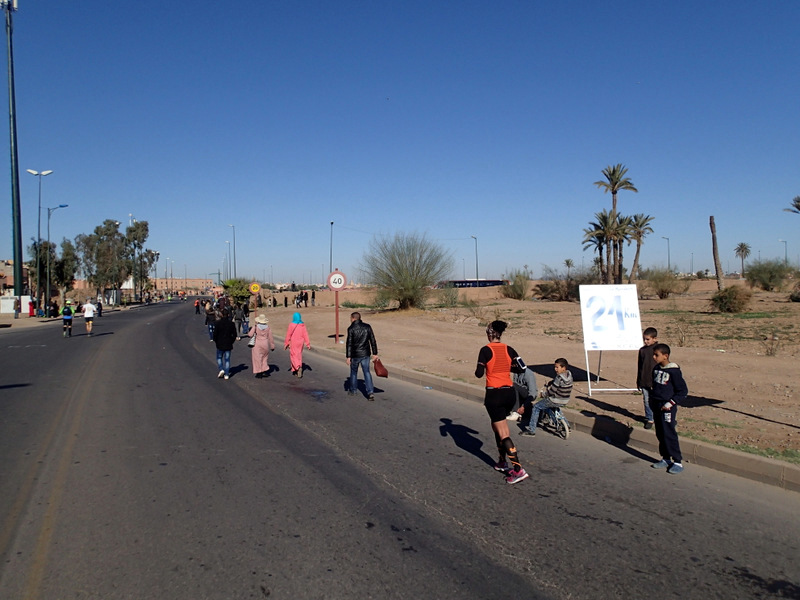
(742, 251)
(795, 207)
(104, 256)
(65, 268)
(599, 235)
(569, 264)
(405, 266)
(639, 229)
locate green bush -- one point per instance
(518, 286)
(795, 295)
(733, 299)
(449, 296)
(559, 288)
(664, 283)
(767, 275)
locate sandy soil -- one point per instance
(741, 369)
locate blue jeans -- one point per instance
(364, 362)
(537, 408)
(224, 361)
(648, 412)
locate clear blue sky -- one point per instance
(453, 119)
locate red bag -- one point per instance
(380, 370)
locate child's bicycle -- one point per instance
(554, 420)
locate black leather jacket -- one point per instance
(360, 340)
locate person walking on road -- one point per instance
(296, 338)
(359, 348)
(494, 361)
(89, 310)
(224, 337)
(259, 353)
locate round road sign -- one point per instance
(254, 288)
(337, 280)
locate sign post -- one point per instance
(611, 321)
(336, 281)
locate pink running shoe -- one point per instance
(516, 476)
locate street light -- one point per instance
(330, 265)
(785, 252)
(669, 263)
(234, 250)
(39, 174)
(50, 211)
(476, 258)
(228, 254)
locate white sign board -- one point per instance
(610, 316)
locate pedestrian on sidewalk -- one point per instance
(224, 337)
(359, 348)
(259, 352)
(296, 338)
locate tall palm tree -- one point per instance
(795, 208)
(622, 235)
(742, 249)
(640, 227)
(615, 182)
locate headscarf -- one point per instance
(296, 318)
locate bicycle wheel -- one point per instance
(562, 426)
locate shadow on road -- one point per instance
(464, 439)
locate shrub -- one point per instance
(664, 282)
(733, 299)
(558, 288)
(518, 286)
(795, 295)
(767, 274)
(449, 296)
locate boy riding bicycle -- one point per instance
(554, 395)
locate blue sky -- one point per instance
(451, 119)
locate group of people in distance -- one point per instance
(223, 330)
(507, 377)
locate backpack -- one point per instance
(66, 312)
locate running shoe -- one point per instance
(675, 469)
(502, 466)
(516, 476)
(513, 416)
(226, 378)
(220, 374)
(662, 464)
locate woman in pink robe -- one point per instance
(264, 343)
(296, 338)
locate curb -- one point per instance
(757, 468)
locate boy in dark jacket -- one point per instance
(669, 388)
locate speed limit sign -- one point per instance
(254, 288)
(337, 280)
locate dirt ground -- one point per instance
(741, 369)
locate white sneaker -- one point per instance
(220, 374)
(226, 378)
(513, 416)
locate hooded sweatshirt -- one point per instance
(669, 387)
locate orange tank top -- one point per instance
(498, 369)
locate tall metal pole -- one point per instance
(8, 6)
(476, 258)
(669, 263)
(39, 174)
(50, 211)
(785, 252)
(330, 264)
(234, 250)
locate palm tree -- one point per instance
(622, 234)
(795, 205)
(640, 227)
(742, 249)
(569, 264)
(615, 181)
(599, 235)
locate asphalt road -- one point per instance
(129, 470)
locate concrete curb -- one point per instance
(758, 468)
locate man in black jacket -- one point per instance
(359, 348)
(224, 337)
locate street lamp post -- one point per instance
(476, 258)
(228, 257)
(39, 174)
(50, 211)
(785, 252)
(234, 250)
(669, 263)
(330, 264)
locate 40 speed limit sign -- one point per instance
(337, 280)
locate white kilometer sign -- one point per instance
(610, 316)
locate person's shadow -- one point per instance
(463, 438)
